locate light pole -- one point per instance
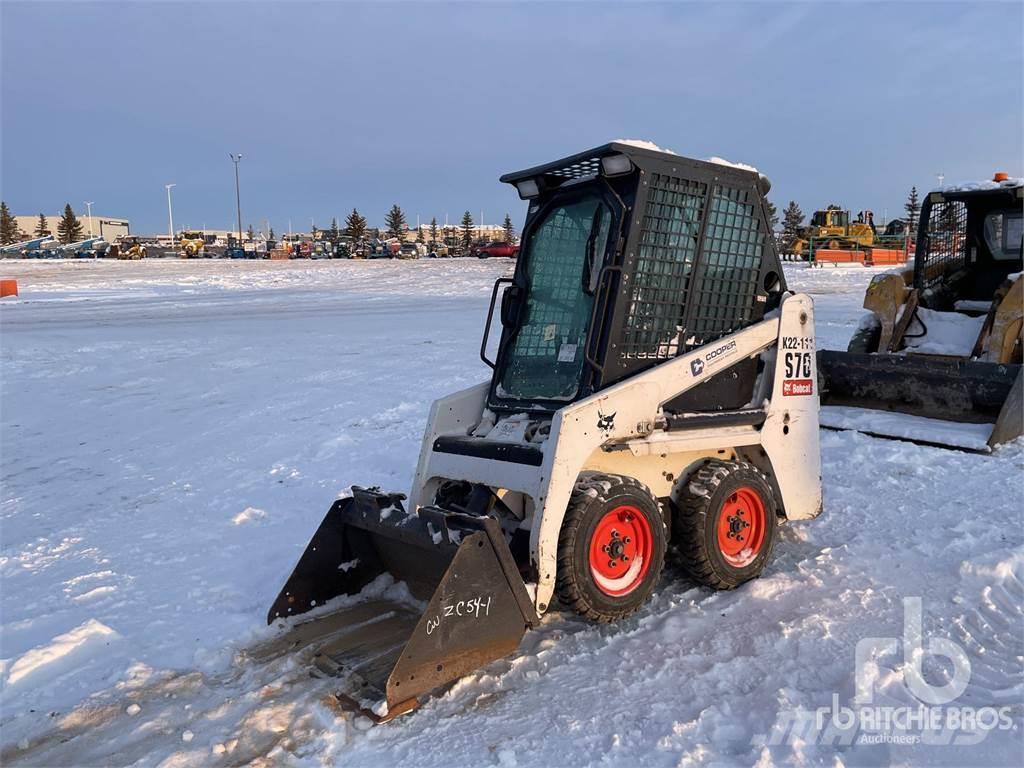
(88, 206)
(236, 159)
(170, 213)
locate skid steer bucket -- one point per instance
(387, 654)
(955, 391)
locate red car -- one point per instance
(504, 250)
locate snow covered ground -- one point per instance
(173, 432)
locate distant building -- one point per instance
(101, 226)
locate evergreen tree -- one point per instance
(773, 215)
(467, 229)
(419, 235)
(510, 231)
(251, 234)
(913, 209)
(355, 225)
(41, 228)
(8, 226)
(271, 235)
(334, 230)
(395, 221)
(433, 232)
(69, 228)
(792, 224)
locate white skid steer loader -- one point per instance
(655, 384)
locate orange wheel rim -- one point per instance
(742, 524)
(620, 551)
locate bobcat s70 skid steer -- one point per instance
(654, 386)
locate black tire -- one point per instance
(717, 489)
(595, 499)
(865, 339)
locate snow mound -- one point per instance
(971, 436)
(976, 186)
(643, 144)
(730, 164)
(249, 515)
(945, 333)
(63, 654)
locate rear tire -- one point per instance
(611, 549)
(726, 524)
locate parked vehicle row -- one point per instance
(195, 245)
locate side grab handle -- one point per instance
(490, 317)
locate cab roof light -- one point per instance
(616, 165)
(528, 189)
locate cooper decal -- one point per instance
(606, 423)
(712, 357)
(720, 352)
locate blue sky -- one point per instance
(336, 105)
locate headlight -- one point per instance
(616, 165)
(527, 189)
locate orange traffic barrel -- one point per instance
(8, 288)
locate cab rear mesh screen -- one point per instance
(668, 245)
(734, 243)
(947, 242)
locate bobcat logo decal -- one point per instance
(606, 423)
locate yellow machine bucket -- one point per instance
(388, 654)
(944, 389)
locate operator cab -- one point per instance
(631, 256)
(969, 243)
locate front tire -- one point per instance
(726, 524)
(611, 549)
